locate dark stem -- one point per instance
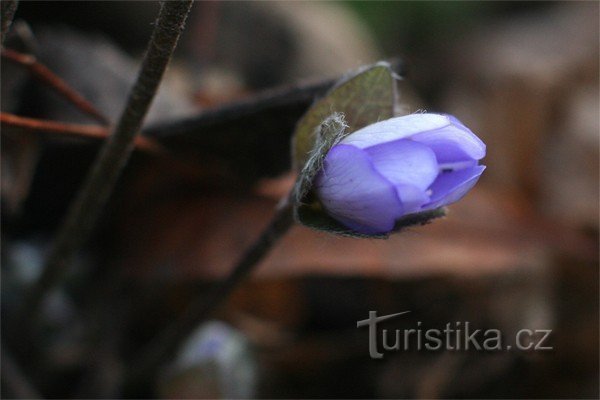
(14, 381)
(95, 191)
(8, 13)
(167, 342)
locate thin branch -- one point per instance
(13, 379)
(95, 191)
(9, 7)
(43, 74)
(167, 342)
(97, 132)
(41, 125)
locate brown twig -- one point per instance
(95, 191)
(76, 130)
(13, 379)
(43, 74)
(9, 7)
(167, 342)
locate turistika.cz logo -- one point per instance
(456, 336)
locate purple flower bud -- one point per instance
(396, 167)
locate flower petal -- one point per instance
(405, 162)
(354, 193)
(454, 145)
(412, 198)
(450, 187)
(395, 128)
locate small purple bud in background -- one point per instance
(397, 167)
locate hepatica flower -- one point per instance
(397, 167)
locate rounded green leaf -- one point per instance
(363, 98)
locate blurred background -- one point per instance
(518, 252)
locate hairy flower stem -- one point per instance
(99, 184)
(167, 342)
